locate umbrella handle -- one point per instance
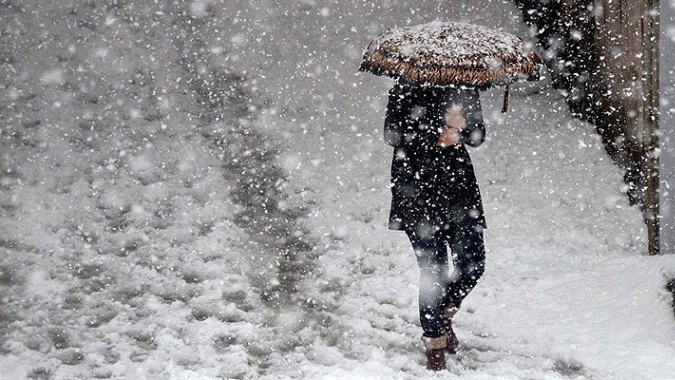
(505, 106)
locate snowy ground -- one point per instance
(163, 218)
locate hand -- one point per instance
(455, 122)
(454, 118)
(448, 137)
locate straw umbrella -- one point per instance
(451, 54)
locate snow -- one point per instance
(469, 41)
(146, 188)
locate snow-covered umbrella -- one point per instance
(451, 54)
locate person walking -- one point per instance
(436, 200)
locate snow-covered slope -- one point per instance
(145, 189)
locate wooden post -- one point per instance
(650, 81)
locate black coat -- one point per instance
(432, 187)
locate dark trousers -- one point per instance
(439, 287)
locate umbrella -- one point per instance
(451, 54)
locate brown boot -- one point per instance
(453, 343)
(434, 349)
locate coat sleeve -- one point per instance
(474, 133)
(393, 128)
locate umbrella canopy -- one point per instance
(448, 53)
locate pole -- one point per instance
(650, 70)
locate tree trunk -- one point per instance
(603, 54)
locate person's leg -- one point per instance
(468, 255)
(432, 259)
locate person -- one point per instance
(436, 200)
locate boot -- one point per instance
(452, 343)
(434, 349)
